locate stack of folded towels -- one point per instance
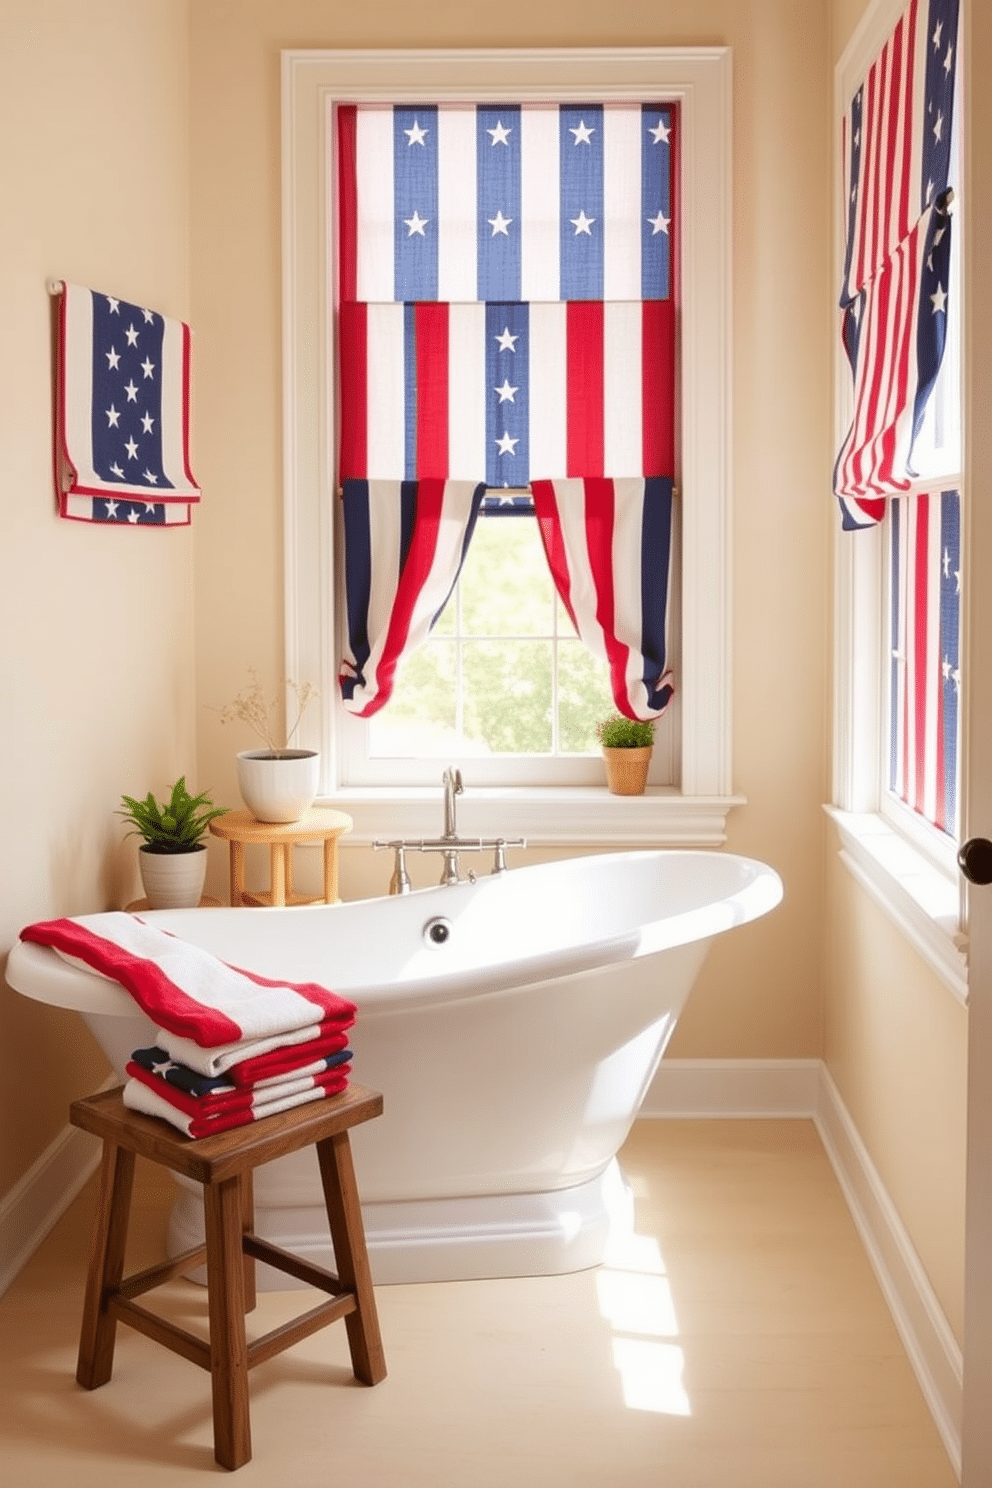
(231, 1046)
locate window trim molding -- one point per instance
(699, 79)
(914, 887)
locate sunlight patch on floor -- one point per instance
(635, 1298)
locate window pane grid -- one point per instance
(481, 689)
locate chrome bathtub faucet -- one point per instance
(449, 844)
(451, 782)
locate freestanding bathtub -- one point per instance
(513, 1025)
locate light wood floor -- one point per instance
(736, 1339)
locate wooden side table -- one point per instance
(319, 824)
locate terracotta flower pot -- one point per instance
(627, 770)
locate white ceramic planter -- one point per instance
(173, 880)
(278, 787)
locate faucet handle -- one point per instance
(400, 881)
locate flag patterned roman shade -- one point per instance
(897, 151)
(505, 281)
(506, 315)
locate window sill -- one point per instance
(917, 896)
(561, 817)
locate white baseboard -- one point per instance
(41, 1196)
(933, 1350)
(804, 1088)
(734, 1087)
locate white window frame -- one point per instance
(903, 864)
(699, 81)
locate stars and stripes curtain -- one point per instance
(122, 418)
(607, 544)
(925, 683)
(403, 553)
(897, 144)
(506, 316)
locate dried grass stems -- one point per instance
(260, 713)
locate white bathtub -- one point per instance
(513, 1056)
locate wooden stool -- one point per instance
(319, 824)
(224, 1165)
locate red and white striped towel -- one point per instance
(247, 1103)
(139, 1097)
(191, 994)
(247, 1064)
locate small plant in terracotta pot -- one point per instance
(626, 744)
(277, 783)
(173, 859)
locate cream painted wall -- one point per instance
(896, 1047)
(97, 677)
(760, 995)
(895, 1039)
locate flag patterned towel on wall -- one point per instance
(188, 991)
(122, 413)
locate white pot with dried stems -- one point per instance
(277, 783)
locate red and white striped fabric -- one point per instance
(925, 590)
(298, 1052)
(895, 366)
(508, 393)
(405, 543)
(139, 1096)
(896, 146)
(897, 162)
(263, 1059)
(188, 992)
(608, 544)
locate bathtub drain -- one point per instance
(437, 931)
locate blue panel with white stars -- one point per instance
(581, 220)
(127, 393)
(415, 193)
(498, 202)
(508, 395)
(541, 219)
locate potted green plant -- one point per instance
(626, 744)
(277, 783)
(173, 858)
